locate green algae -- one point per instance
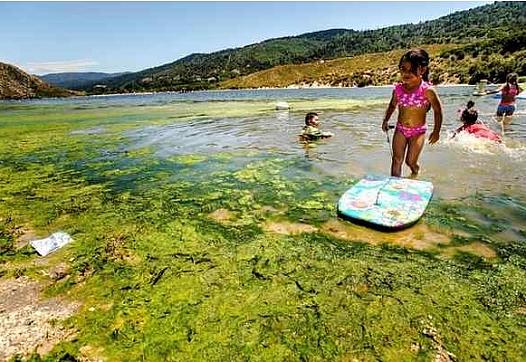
(187, 159)
(160, 279)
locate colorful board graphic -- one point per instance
(386, 202)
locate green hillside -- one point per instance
(450, 63)
(361, 70)
(489, 23)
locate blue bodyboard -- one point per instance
(386, 202)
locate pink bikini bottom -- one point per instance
(409, 132)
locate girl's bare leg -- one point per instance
(499, 117)
(399, 146)
(416, 144)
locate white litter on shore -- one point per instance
(51, 243)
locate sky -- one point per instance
(50, 37)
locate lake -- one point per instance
(203, 228)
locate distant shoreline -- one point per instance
(451, 85)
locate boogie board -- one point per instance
(482, 131)
(389, 203)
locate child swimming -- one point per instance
(471, 125)
(414, 96)
(469, 115)
(311, 129)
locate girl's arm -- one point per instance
(437, 112)
(389, 112)
(455, 132)
(495, 90)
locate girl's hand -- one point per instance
(433, 138)
(389, 111)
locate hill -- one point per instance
(361, 70)
(207, 71)
(17, 84)
(77, 80)
(450, 63)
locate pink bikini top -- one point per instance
(416, 98)
(511, 90)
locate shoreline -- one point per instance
(289, 88)
(448, 85)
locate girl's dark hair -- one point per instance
(470, 116)
(509, 78)
(470, 104)
(418, 57)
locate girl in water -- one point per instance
(414, 96)
(471, 124)
(509, 91)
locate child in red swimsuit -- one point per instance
(509, 91)
(413, 97)
(471, 124)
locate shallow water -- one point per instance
(202, 227)
(245, 123)
(458, 167)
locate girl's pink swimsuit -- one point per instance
(510, 90)
(416, 98)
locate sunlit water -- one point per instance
(458, 167)
(246, 121)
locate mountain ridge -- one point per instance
(207, 71)
(482, 42)
(75, 80)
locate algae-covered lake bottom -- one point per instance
(203, 230)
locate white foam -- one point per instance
(469, 143)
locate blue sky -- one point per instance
(47, 37)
